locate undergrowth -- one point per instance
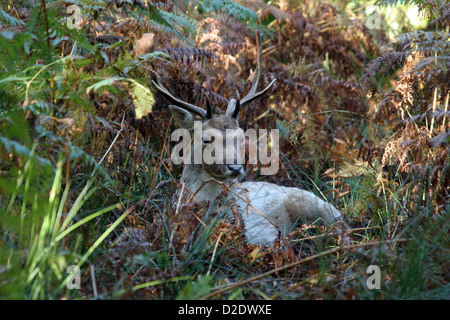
(85, 173)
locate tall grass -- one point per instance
(40, 245)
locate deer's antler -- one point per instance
(253, 94)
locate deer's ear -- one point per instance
(184, 118)
(230, 109)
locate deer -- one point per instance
(268, 209)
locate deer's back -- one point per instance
(269, 208)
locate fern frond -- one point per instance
(393, 3)
(143, 100)
(12, 146)
(356, 169)
(9, 20)
(179, 22)
(265, 9)
(142, 96)
(231, 8)
(189, 55)
(168, 21)
(155, 55)
(384, 62)
(444, 20)
(109, 39)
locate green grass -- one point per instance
(35, 261)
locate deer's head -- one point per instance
(218, 126)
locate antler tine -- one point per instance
(238, 105)
(253, 94)
(187, 106)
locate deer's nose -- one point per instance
(235, 168)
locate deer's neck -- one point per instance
(194, 178)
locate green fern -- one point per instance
(11, 21)
(393, 3)
(181, 21)
(152, 56)
(167, 21)
(13, 147)
(143, 100)
(142, 96)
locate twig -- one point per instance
(114, 141)
(156, 168)
(177, 210)
(52, 85)
(214, 254)
(94, 283)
